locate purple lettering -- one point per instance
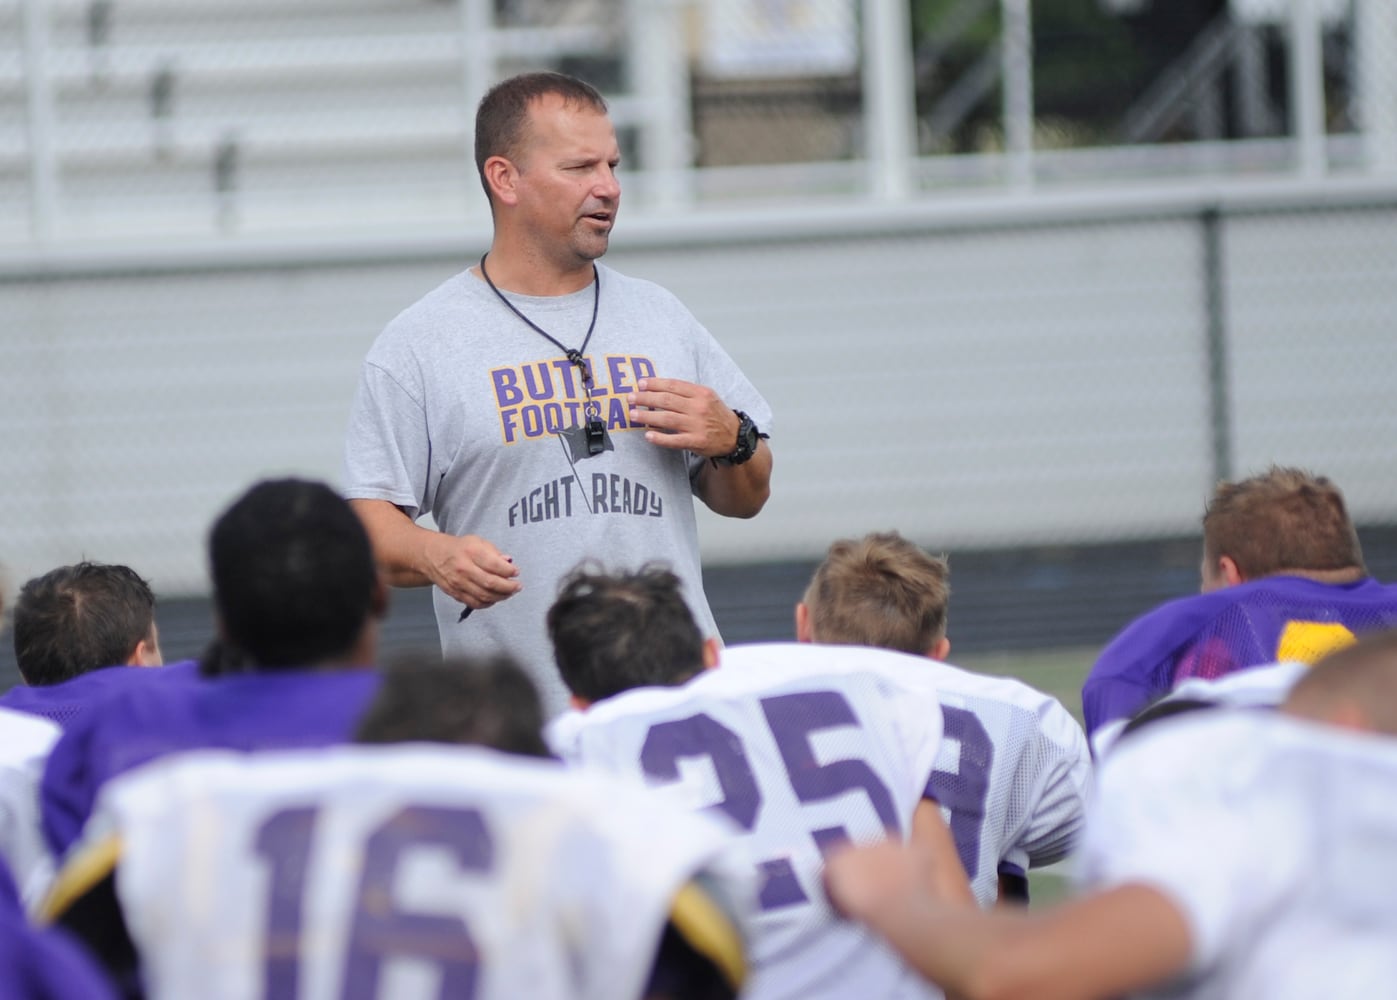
(544, 388)
(643, 368)
(565, 372)
(667, 743)
(383, 930)
(508, 420)
(553, 417)
(963, 790)
(616, 416)
(616, 366)
(533, 420)
(506, 387)
(284, 841)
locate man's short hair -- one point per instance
(483, 702)
(614, 632)
(879, 590)
(1363, 674)
(293, 574)
(1282, 520)
(80, 618)
(501, 121)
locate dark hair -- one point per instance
(293, 574)
(80, 618)
(503, 116)
(486, 702)
(879, 590)
(1282, 520)
(615, 632)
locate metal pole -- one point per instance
(660, 74)
(1215, 327)
(889, 85)
(1375, 34)
(1307, 88)
(1017, 53)
(477, 65)
(39, 106)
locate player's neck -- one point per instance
(529, 273)
(1335, 577)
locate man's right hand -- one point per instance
(471, 570)
(467, 568)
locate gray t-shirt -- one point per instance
(457, 414)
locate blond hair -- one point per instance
(879, 590)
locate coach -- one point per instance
(542, 407)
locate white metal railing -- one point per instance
(647, 36)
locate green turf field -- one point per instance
(1059, 673)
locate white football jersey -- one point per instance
(1013, 775)
(25, 742)
(803, 747)
(1274, 837)
(403, 872)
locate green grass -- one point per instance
(1059, 673)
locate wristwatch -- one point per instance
(747, 438)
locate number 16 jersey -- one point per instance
(803, 748)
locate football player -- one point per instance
(802, 747)
(297, 596)
(1228, 854)
(413, 871)
(479, 874)
(1013, 772)
(1283, 579)
(82, 632)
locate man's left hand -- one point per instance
(680, 414)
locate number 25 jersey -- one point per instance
(802, 747)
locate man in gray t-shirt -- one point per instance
(542, 407)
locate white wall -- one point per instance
(997, 377)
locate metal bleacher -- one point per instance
(174, 111)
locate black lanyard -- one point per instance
(575, 356)
(595, 429)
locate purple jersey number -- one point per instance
(792, 719)
(965, 790)
(380, 929)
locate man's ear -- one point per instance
(1228, 572)
(804, 631)
(940, 649)
(579, 703)
(501, 175)
(147, 652)
(710, 653)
